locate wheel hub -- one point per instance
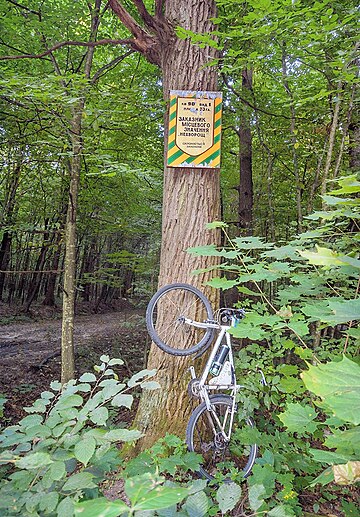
(220, 442)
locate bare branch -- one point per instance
(110, 65)
(252, 106)
(107, 41)
(27, 9)
(159, 6)
(144, 42)
(145, 15)
(126, 18)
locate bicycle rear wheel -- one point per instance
(165, 319)
(219, 458)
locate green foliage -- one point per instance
(61, 451)
(56, 458)
(2, 404)
(301, 301)
(295, 286)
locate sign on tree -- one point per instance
(194, 129)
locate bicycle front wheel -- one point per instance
(166, 314)
(204, 437)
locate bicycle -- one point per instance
(181, 322)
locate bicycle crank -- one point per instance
(194, 388)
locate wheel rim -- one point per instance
(168, 319)
(219, 457)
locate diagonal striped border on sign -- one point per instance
(210, 158)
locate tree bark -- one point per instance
(8, 219)
(67, 329)
(191, 196)
(69, 288)
(294, 141)
(245, 155)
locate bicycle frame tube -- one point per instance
(204, 388)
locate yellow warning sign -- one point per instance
(194, 129)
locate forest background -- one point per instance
(289, 76)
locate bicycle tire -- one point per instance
(164, 316)
(211, 465)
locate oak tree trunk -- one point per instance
(191, 196)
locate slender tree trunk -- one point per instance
(331, 145)
(294, 142)
(35, 282)
(67, 332)
(7, 220)
(69, 288)
(245, 155)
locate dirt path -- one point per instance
(29, 359)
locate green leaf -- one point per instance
(101, 507)
(197, 485)
(150, 385)
(49, 502)
(343, 311)
(113, 362)
(161, 497)
(346, 442)
(327, 476)
(57, 470)
(299, 419)
(87, 377)
(34, 461)
(30, 421)
(122, 400)
(216, 224)
(322, 257)
(104, 358)
(84, 450)
(298, 326)
(137, 378)
(209, 250)
(338, 384)
(221, 283)
(68, 401)
(99, 416)
(79, 481)
(197, 505)
(251, 243)
(47, 395)
(256, 496)
(281, 511)
(329, 457)
(246, 330)
(228, 495)
(123, 435)
(65, 508)
(56, 385)
(247, 291)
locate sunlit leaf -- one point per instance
(338, 384)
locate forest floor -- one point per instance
(30, 360)
(30, 351)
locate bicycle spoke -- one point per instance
(205, 435)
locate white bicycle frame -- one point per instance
(205, 387)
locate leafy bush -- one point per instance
(61, 451)
(302, 302)
(55, 460)
(338, 385)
